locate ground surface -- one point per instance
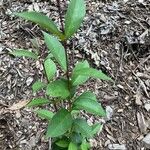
(114, 38)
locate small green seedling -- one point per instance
(67, 128)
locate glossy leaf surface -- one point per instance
(87, 101)
(96, 128)
(42, 20)
(38, 85)
(58, 88)
(85, 146)
(62, 143)
(79, 79)
(38, 102)
(91, 72)
(56, 49)
(76, 138)
(25, 53)
(82, 127)
(74, 16)
(72, 146)
(60, 123)
(45, 114)
(50, 69)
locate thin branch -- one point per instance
(67, 72)
(67, 60)
(64, 42)
(65, 46)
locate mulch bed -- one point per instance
(114, 38)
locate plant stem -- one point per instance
(67, 62)
(64, 42)
(65, 47)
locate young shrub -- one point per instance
(65, 125)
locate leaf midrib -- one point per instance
(56, 129)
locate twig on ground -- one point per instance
(145, 60)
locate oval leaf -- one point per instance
(85, 146)
(25, 53)
(91, 72)
(45, 114)
(38, 85)
(76, 138)
(87, 101)
(42, 20)
(96, 128)
(77, 79)
(38, 102)
(60, 123)
(74, 16)
(62, 143)
(72, 146)
(87, 95)
(56, 49)
(50, 68)
(58, 88)
(81, 126)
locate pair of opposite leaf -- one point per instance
(63, 121)
(80, 74)
(73, 19)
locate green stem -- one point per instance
(65, 46)
(67, 63)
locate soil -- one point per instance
(113, 38)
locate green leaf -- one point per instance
(72, 146)
(56, 49)
(45, 114)
(91, 72)
(76, 138)
(85, 146)
(87, 101)
(75, 112)
(38, 85)
(55, 147)
(25, 53)
(88, 94)
(42, 20)
(96, 128)
(50, 68)
(38, 102)
(58, 88)
(60, 123)
(62, 143)
(78, 79)
(74, 16)
(72, 90)
(81, 126)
